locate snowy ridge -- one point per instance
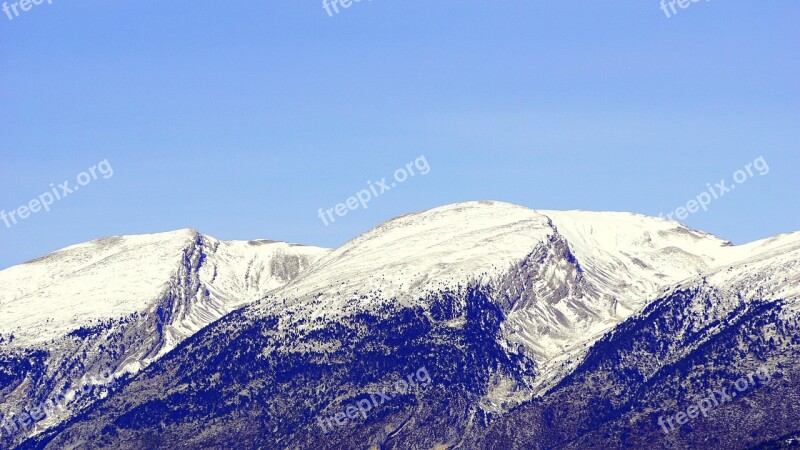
(53, 295)
(419, 253)
(117, 276)
(564, 277)
(117, 304)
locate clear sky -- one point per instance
(242, 119)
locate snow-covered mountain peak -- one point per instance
(119, 303)
(434, 249)
(521, 294)
(563, 278)
(631, 256)
(114, 277)
(478, 241)
(108, 277)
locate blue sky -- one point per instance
(241, 119)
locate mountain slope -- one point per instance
(107, 308)
(711, 333)
(563, 278)
(536, 329)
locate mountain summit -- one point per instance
(537, 329)
(114, 305)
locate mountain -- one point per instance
(483, 325)
(561, 277)
(105, 309)
(732, 332)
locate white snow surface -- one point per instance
(113, 277)
(624, 255)
(423, 252)
(626, 260)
